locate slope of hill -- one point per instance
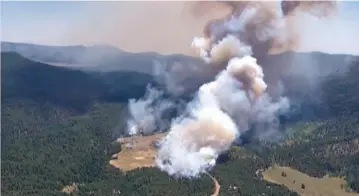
(25, 79)
(300, 71)
(311, 79)
(175, 71)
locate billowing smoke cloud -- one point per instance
(221, 110)
(236, 101)
(147, 113)
(265, 26)
(138, 26)
(229, 105)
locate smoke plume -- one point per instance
(221, 110)
(136, 26)
(236, 101)
(229, 105)
(147, 115)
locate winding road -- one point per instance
(217, 187)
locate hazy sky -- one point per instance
(69, 23)
(39, 22)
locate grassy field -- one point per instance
(306, 185)
(137, 152)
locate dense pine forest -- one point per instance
(59, 124)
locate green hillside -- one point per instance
(57, 127)
(25, 79)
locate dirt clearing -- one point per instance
(305, 185)
(137, 152)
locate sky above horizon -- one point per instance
(39, 22)
(81, 22)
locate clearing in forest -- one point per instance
(305, 185)
(137, 152)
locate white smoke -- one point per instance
(231, 104)
(225, 107)
(222, 110)
(228, 47)
(146, 113)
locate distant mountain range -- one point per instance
(103, 57)
(176, 71)
(77, 55)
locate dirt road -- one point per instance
(217, 187)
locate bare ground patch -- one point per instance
(137, 152)
(70, 188)
(305, 185)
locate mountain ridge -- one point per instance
(183, 74)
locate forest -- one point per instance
(55, 134)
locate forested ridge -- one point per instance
(58, 130)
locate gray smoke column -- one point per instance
(227, 106)
(146, 114)
(149, 26)
(221, 110)
(265, 26)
